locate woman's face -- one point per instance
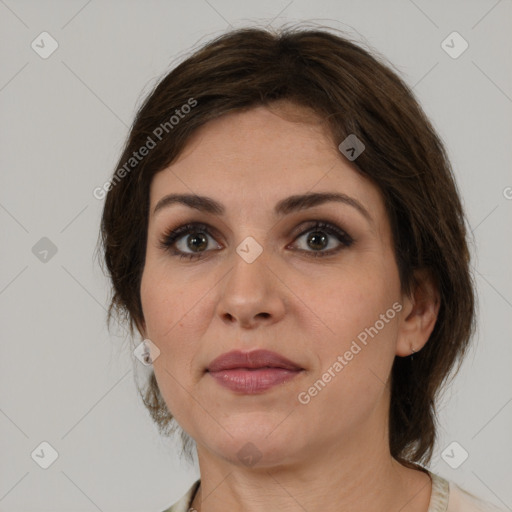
(272, 280)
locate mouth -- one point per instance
(253, 380)
(252, 372)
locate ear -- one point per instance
(419, 314)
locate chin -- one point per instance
(256, 445)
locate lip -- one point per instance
(251, 360)
(252, 372)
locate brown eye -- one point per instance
(192, 241)
(188, 241)
(197, 242)
(321, 235)
(317, 240)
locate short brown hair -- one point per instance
(355, 92)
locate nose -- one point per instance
(251, 294)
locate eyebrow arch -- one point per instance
(285, 206)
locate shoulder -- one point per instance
(449, 497)
(183, 505)
(462, 500)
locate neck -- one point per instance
(349, 476)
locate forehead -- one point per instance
(252, 159)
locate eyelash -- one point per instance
(170, 237)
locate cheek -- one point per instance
(359, 323)
(175, 317)
(351, 299)
(165, 315)
(162, 302)
(354, 360)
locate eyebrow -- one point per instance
(285, 206)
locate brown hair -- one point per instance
(355, 93)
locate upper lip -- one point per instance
(254, 359)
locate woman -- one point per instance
(284, 232)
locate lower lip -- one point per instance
(253, 381)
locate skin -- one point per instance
(331, 453)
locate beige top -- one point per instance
(446, 497)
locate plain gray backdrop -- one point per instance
(64, 380)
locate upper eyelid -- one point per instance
(301, 229)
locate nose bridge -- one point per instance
(251, 292)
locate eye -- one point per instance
(193, 237)
(320, 235)
(192, 240)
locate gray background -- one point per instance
(63, 378)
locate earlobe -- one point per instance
(420, 314)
